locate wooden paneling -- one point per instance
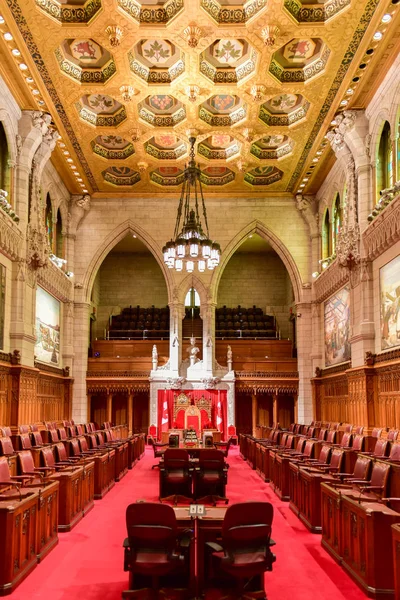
(32, 395)
(368, 395)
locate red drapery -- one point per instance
(165, 416)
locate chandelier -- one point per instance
(191, 244)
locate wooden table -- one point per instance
(396, 559)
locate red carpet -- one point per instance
(88, 562)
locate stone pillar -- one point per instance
(130, 412)
(254, 408)
(80, 360)
(395, 145)
(316, 353)
(304, 335)
(366, 195)
(208, 316)
(362, 317)
(177, 311)
(315, 251)
(68, 335)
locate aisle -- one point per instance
(88, 562)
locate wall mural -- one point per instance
(389, 280)
(47, 345)
(337, 328)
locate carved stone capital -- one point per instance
(348, 246)
(210, 383)
(176, 383)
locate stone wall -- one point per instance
(261, 280)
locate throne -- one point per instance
(193, 419)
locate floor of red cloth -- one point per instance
(88, 562)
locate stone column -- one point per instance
(304, 335)
(208, 316)
(362, 317)
(80, 360)
(254, 407)
(177, 311)
(366, 193)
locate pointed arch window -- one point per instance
(326, 250)
(4, 163)
(59, 237)
(384, 162)
(336, 221)
(192, 299)
(48, 219)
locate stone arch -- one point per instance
(10, 114)
(108, 244)
(376, 128)
(276, 244)
(193, 281)
(394, 114)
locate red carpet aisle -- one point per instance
(88, 562)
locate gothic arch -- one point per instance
(108, 244)
(192, 281)
(277, 245)
(376, 128)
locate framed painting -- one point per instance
(389, 290)
(337, 328)
(47, 345)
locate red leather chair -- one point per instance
(224, 447)
(158, 449)
(379, 479)
(27, 467)
(246, 544)
(210, 477)
(175, 475)
(5, 431)
(153, 548)
(392, 435)
(361, 471)
(6, 481)
(6, 446)
(359, 430)
(232, 434)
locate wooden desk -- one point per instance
(165, 435)
(18, 551)
(396, 559)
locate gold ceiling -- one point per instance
(259, 83)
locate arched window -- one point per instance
(325, 236)
(59, 237)
(4, 158)
(384, 163)
(192, 299)
(336, 221)
(398, 148)
(48, 219)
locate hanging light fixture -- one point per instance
(191, 244)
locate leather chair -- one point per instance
(359, 430)
(378, 482)
(382, 448)
(49, 460)
(158, 449)
(392, 435)
(361, 471)
(5, 431)
(153, 548)
(6, 481)
(224, 447)
(232, 434)
(210, 478)
(176, 475)
(246, 544)
(6, 446)
(27, 467)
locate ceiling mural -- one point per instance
(156, 61)
(112, 147)
(129, 85)
(121, 176)
(85, 61)
(228, 61)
